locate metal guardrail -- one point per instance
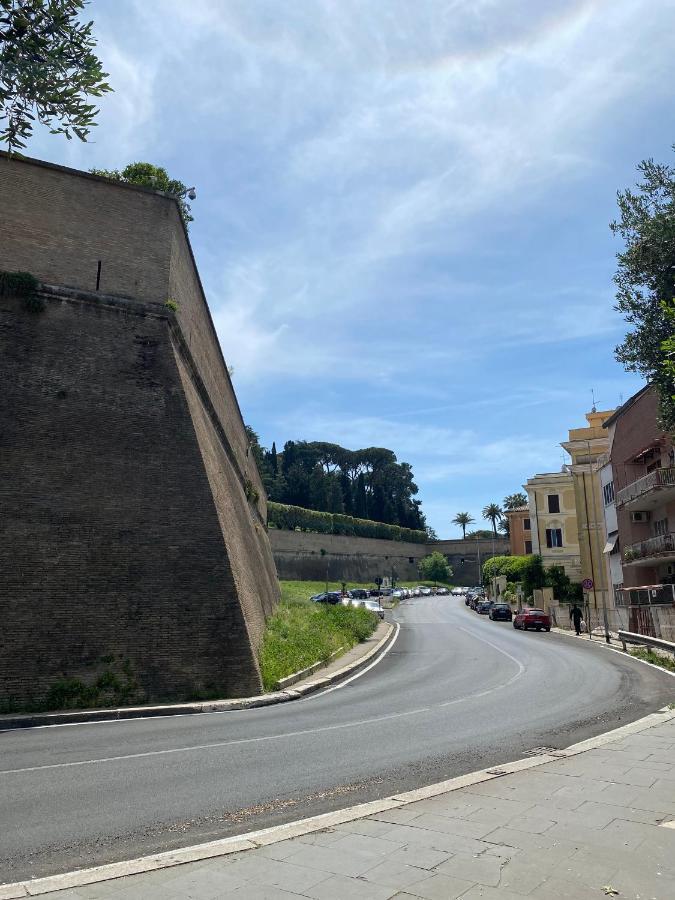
(629, 637)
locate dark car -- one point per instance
(483, 607)
(358, 594)
(501, 612)
(532, 618)
(330, 597)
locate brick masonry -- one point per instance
(298, 555)
(126, 531)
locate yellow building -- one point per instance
(553, 518)
(586, 446)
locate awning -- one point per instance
(612, 538)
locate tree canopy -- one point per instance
(435, 567)
(514, 501)
(645, 279)
(48, 70)
(493, 512)
(148, 175)
(463, 519)
(366, 484)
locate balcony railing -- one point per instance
(662, 545)
(647, 595)
(659, 478)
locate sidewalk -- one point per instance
(580, 823)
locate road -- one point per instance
(456, 693)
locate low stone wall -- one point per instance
(304, 556)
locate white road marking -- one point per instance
(379, 659)
(288, 734)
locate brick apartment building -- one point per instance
(643, 489)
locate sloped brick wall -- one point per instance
(110, 537)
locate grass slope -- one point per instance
(301, 633)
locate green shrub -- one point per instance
(301, 633)
(280, 515)
(172, 305)
(22, 285)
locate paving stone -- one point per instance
(366, 827)
(397, 816)
(280, 851)
(256, 892)
(421, 857)
(532, 823)
(285, 875)
(447, 825)
(556, 888)
(336, 862)
(321, 838)
(338, 887)
(480, 869)
(526, 840)
(587, 868)
(482, 892)
(640, 777)
(372, 846)
(524, 873)
(636, 882)
(441, 887)
(396, 874)
(435, 840)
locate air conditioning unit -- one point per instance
(640, 516)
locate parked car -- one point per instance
(467, 600)
(442, 591)
(501, 612)
(358, 594)
(532, 618)
(373, 606)
(425, 591)
(457, 591)
(331, 597)
(374, 592)
(483, 607)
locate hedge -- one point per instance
(279, 515)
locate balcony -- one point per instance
(649, 491)
(651, 552)
(647, 595)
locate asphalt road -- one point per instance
(456, 693)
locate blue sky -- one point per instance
(402, 212)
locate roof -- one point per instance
(625, 406)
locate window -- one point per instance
(528, 548)
(553, 503)
(526, 525)
(661, 527)
(411, 560)
(608, 492)
(554, 536)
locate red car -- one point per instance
(532, 618)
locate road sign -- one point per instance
(587, 584)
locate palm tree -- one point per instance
(463, 519)
(515, 501)
(494, 513)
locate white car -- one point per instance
(426, 591)
(373, 606)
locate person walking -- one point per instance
(576, 616)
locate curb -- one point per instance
(255, 839)
(75, 717)
(604, 646)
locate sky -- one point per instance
(402, 210)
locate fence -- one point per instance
(654, 620)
